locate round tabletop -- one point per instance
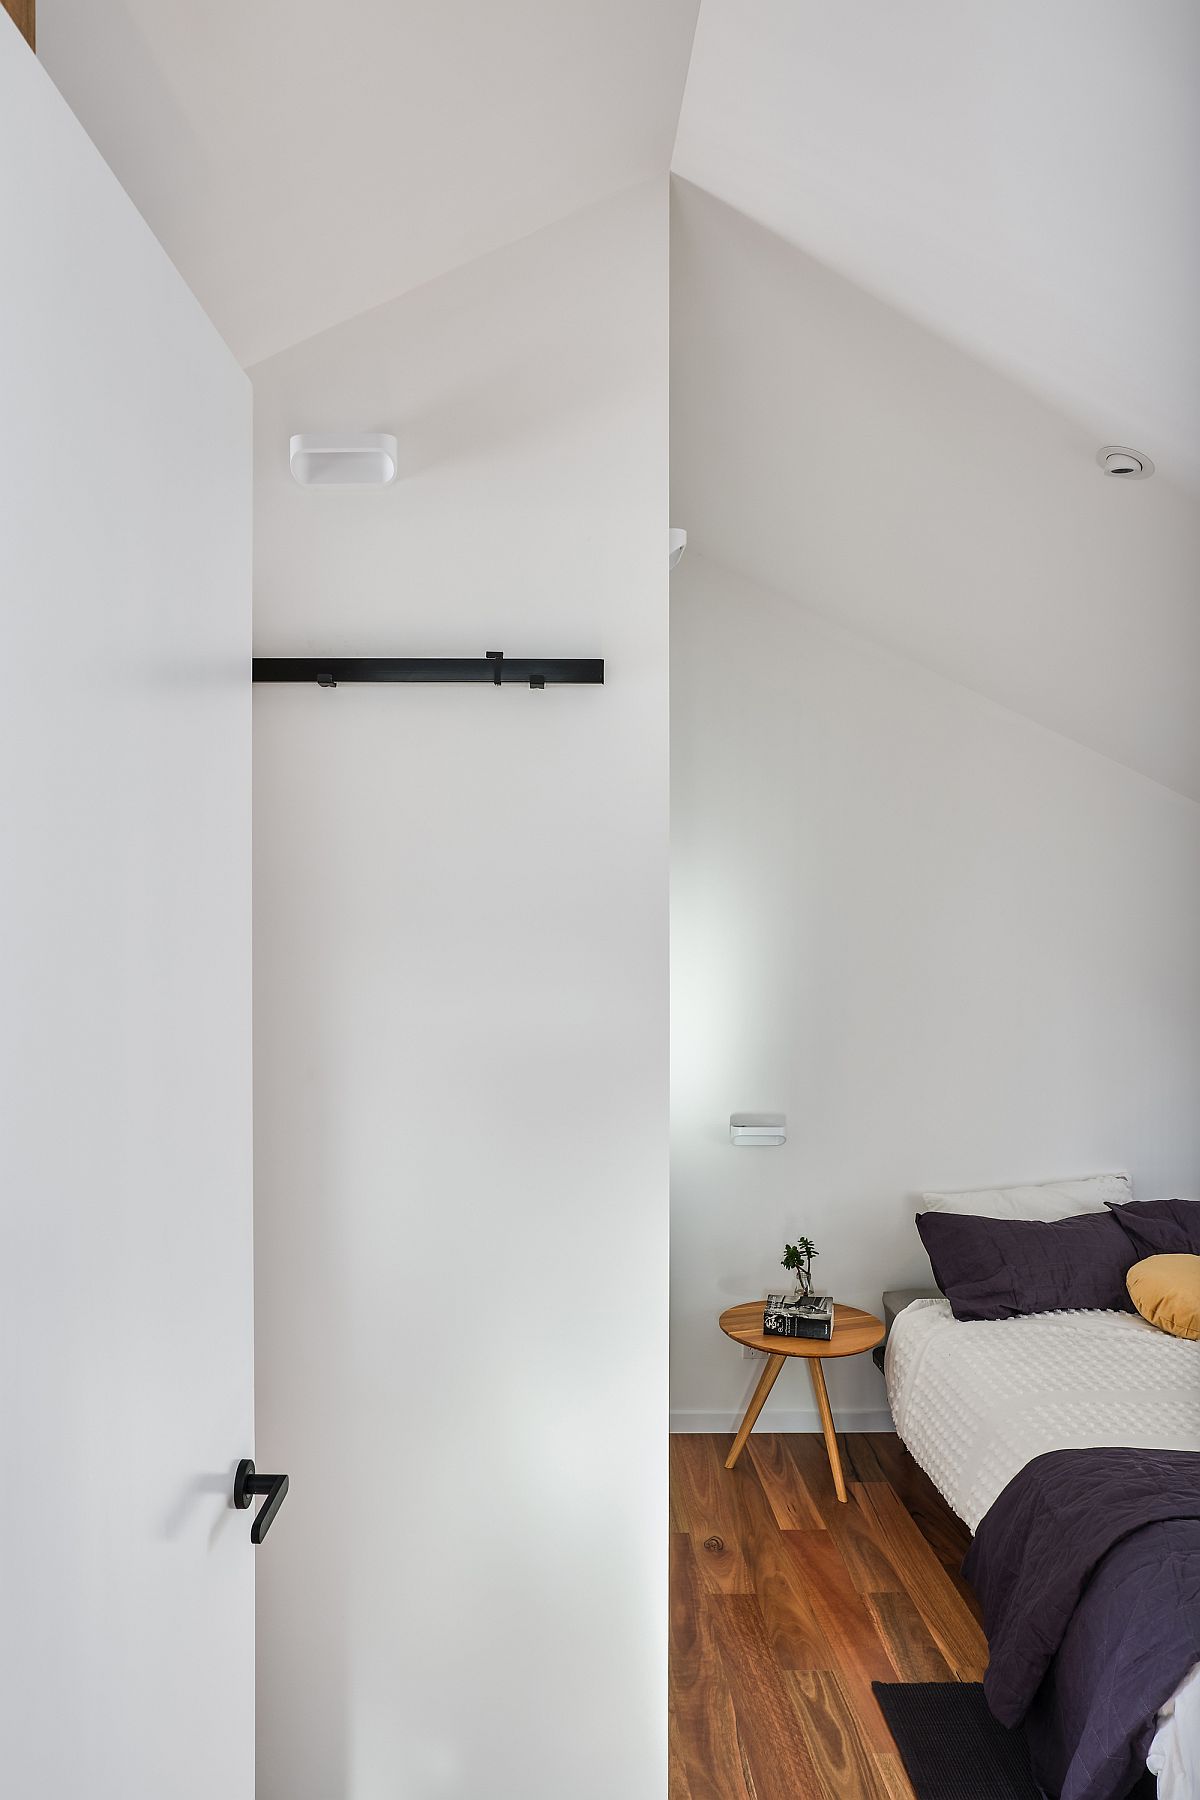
(853, 1332)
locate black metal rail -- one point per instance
(494, 669)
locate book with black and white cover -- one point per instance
(807, 1316)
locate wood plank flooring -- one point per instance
(786, 1605)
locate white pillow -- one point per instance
(1040, 1200)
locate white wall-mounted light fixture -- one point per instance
(343, 458)
(676, 545)
(751, 1129)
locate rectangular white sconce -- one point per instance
(343, 459)
(748, 1129)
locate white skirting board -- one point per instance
(876, 1418)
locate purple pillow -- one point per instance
(1160, 1227)
(1004, 1268)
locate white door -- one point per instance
(126, 1579)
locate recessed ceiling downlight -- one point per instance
(1127, 464)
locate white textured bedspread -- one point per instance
(976, 1401)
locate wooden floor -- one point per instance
(786, 1605)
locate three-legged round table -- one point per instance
(853, 1332)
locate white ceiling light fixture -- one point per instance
(343, 458)
(1128, 465)
(676, 545)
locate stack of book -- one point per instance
(786, 1316)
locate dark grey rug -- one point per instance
(952, 1747)
(950, 1744)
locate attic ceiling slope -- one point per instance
(1024, 178)
(833, 450)
(302, 162)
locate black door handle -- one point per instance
(247, 1485)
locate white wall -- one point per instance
(460, 1027)
(127, 1621)
(952, 946)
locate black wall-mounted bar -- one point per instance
(495, 669)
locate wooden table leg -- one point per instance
(831, 1444)
(766, 1382)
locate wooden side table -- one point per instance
(853, 1332)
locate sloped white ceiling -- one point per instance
(1020, 176)
(1015, 184)
(304, 160)
(833, 449)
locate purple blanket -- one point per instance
(1087, 1567)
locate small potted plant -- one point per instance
(798, 1257)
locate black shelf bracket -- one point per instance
(494, 669)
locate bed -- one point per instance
(975, 1401)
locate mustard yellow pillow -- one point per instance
(1166, 1290)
